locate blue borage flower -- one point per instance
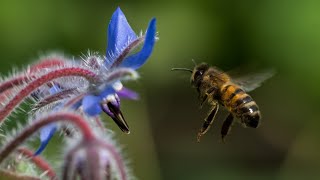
(121, 53)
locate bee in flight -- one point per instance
(218, 88)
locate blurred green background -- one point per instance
(280, 34)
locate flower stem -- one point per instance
(56, 117)
(74, 100)
(55, 97)
(26, 91)
(17, 81)
(47, 63)
(39, 162)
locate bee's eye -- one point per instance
(198, 73)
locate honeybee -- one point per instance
(218, 88)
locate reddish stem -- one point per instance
(17, 81)
(74, 118)
(4, 95)
(39, 162)
(26, 91)
(55, 97)
(47, 63)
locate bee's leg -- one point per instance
(226, 126)
(202, 99)
(208, 121)
(210, 93)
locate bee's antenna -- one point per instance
(194, 62)
(181, 69)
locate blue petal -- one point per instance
(91, 105)
(76, 105)
(137, 60)
(108, 90)
(46, 134)
(119, 33)
(54, 89)
(128, 94)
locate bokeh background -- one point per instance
(280, 34)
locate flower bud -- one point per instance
(94, 160)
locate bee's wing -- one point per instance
(254, 80)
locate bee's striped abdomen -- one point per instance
(241, 105)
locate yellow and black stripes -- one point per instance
(241, 105)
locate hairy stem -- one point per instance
(39, 123)
(74, 100)
(16, 81)
(21, 79)
(26, 91)
(47, 63)
(55, 97)
(39, 162)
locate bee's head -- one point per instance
(197, 74)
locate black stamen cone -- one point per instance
(118, 118)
